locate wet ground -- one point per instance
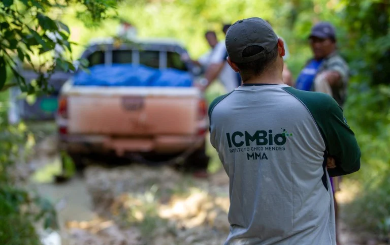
(137, 204)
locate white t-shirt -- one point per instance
(204, 60)
(227, 76)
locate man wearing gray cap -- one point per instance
(327, 71)
(278, 145)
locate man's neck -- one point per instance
(267, 77)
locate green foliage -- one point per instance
(22, 210)
(369, 210)
(368, 112)
(363, 39)
(17, 206)
(68, 168)
(368, 31)
(367, 109)
(30, 31)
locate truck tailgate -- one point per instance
(125, 111)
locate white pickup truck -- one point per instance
(147, 122)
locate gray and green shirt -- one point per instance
(273, 141)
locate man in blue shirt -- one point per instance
(327, 71)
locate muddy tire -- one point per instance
(79, 162)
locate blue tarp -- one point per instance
(132, 75)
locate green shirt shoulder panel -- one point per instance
(339, 139)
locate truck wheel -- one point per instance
(198, 160)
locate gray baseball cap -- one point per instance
(250, 32)
(323, 30)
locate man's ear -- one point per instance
(232, 65)
(281, 50)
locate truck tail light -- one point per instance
(202, 114)
(202, 109)
(63, 107)
(63, 130)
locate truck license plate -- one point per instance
(132, 103)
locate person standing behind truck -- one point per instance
(219, 68)
(204, 60)
(326, 72)
(212, 40)
(230, 79)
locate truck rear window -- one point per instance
(174, 61)
(122, 56)
(96, 58)
(149, 58)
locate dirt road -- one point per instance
(137, 204)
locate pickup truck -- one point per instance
(144, 122)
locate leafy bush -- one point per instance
(20, 211)
(369, 116)
(368, 109)
(23, 211)
(30, 32)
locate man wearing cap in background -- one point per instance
(275, 143)
(219, 68)
(204, 60)
(326, 72)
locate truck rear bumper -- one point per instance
(102, 144)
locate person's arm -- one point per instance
(339, 139)
(216, 63)
(196, 62)
(333, 78)
(186, 58)
(337, 72)
(212, 72)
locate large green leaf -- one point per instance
(63, 26)
(38, 38)
(84, 62)
(46, 23)
(3, 72)
(20, 54)
(8, 3)
(4, 25)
